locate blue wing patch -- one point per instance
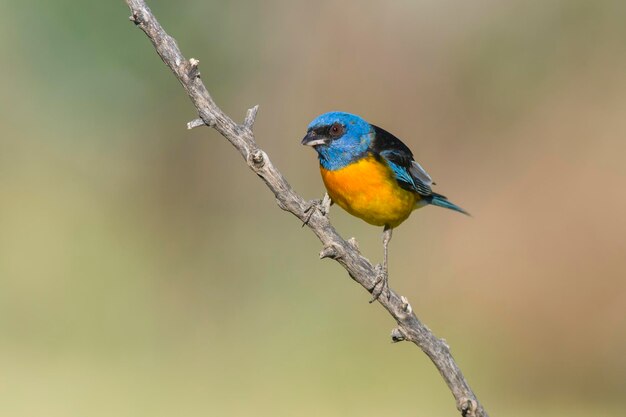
(402, 167)
(402, 174)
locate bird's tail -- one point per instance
(441, 201)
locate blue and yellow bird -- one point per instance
(371, 174)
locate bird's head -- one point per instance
(339, 138)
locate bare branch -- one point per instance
(346, 253)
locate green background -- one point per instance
(145, 271)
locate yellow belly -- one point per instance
(367, 189)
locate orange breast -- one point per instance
(367, 189)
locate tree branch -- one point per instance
(347, 253)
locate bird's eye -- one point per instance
(336, 130)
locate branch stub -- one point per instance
(257, 158)
(406, 306)
(193, 71)
(468, 407)
(250, 117)
(397, 335)
(352, 242)
(135, 18)
(329, 252)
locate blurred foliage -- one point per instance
(144, 271)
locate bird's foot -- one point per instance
(323, 206)
(381, 285)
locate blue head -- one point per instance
(339, 138)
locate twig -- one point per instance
(334, 246)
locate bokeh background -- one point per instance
(145, 271)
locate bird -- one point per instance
(372, 175)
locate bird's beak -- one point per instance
(311, 139)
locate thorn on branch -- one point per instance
(193, 71)
(195, 123)
(329, 252)
(352, 242)
(406, 307)
(250, 117)
(397, 335)
(200, 122)
(445, 344)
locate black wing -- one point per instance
(409, 174)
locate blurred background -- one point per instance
(145, 271)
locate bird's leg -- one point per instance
(382, 276)
(323, 206)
